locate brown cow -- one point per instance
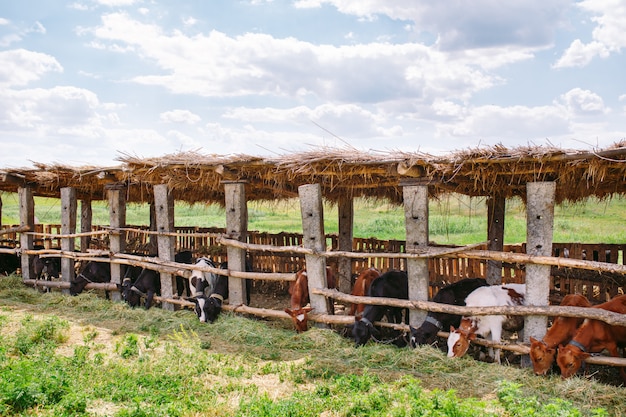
(299, 291)
(361, 288)
(542, 352)
(594, 336)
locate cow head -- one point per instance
(362, 331)
(131, 297)
(459, 339)
(208, 308)
(570, 358)
(426, 334)
(300, 318)
(541, 356)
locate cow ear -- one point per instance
(471, 336)
(307, 309)
(533, 340)
(289, 311)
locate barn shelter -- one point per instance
(541, 176)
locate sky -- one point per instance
(86, 82)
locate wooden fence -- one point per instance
(201, 241)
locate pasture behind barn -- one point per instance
(127, 362)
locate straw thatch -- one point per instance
(343, 173)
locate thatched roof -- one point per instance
(342, 172)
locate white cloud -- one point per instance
(20, 67)
(582, 102)
(607, 36)
(179, 116)
(116, 3)
(218, 65)
(461, 24)
(4, 22)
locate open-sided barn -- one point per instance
(541, 176)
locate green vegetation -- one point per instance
(453, 219)
(86, 356)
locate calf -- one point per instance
(594, 336)
(92, 272)
(454, 294)
(299, 291)
(495, 295)
(391, 284)
(202, 282)
(361, 288)
(208, 308)
(46, 267)
(147, 285)
(542, 352)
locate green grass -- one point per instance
(453, 219)
(128, 362)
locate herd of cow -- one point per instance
(568, 340)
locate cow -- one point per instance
(201, 282)
(46, 267)
(299, 292)
(93, 271)
(594, 336)
(494, 295)
(361, 288)
(148, 283)
(391, 284)
(208, 308)
(542, 352)
(454, 294)
(300, 318)
(9, 262)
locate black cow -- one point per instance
(9, 263)
(92, 272)
(148, 283)
(454, 294)
(391, 284)
(46, 267)
(209, 307)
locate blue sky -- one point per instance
(84, 82)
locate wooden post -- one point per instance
(312, 211)
(0, 211)
(236, 228)
(495, 233)
(68, 226)
(117, 239)
(539, 230)
(27, 218)
(164, 210)
(86, 218)
(152, 239)
(346, 221)
(416, 224)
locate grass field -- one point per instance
(86, 356)
(452, 220)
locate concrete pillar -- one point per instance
(346, 221)
(117, 240)
(27, 218)
(314, 238)
(86, 218)
(416, 224)
(164, 210)
(68, 226)
(236, 228)
(539, 231)
(496, 206)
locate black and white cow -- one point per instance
(391, 284)
(454, 294)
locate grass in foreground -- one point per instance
(62, 356)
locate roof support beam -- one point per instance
(237, 228)
(117, 240)
(164, 209)
(416, 224)
(68, 226)
(312, 211)
(539, 231)
(496, 206)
